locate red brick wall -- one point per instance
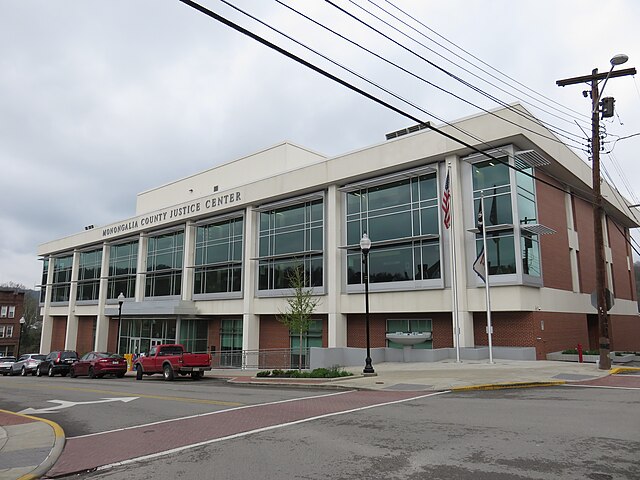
(510, 329)
(624, 331)
(12, 297)
(112, 338)
(622, 277)
(586, 255)
(58, 333)
(84, 339)
(273, 333)
(556, 266)
(357, 333)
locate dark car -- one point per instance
(5, 365)
(59, 361)
(27, 364)
(99, 364)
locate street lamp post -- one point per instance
(598, 207)
(365, 246)
(22, 322)
(120, 302)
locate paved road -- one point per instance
(247, 432)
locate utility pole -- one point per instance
(598, 209)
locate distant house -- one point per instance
(205, 259)
(11, 310)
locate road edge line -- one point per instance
(501, 386)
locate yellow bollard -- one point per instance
(129, 358)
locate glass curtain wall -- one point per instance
(529, 243)
(123, 259)
(491, 179)
(61, 285)
(231, 343)
(164, 264)
(194, 335)
(403, 215)
(218, 262)
(138, 335)
(43, 285)
(291, 237)
(89, 275)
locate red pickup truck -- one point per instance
(172, 360)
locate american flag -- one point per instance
(446, 203)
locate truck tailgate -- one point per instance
(196, 360)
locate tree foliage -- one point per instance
(300, 306)
(32, 328)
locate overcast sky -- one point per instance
(100, 100)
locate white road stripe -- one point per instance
(210, 413)
(600, 386)
(258, 430)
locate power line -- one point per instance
(358, 90)
(446, 72)
(580, 114)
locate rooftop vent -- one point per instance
(404, 131)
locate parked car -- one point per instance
(27, 364)
(5, 365)
(171, 360)
(58, 361)
(99, 364)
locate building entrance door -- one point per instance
(134, 345)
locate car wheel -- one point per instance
(92, 374)
(50, 372)
(72, 372)
(38, 371)
(138, 372)
(23, 371)
(167, 372)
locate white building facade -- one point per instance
(206, 260)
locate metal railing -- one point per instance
(276, 358)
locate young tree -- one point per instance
(300, 307)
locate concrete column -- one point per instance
(334, 224)
(71, 338)
(141, 266)
(459, 263)
(250, 321)
(573, 243)
(47, 320)
(186, 288)
(102, 321)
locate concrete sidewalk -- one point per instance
(29, 446)
(443, 375)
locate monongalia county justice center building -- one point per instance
(205, 260)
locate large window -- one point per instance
(218, 262)
(290, 237)
(231, 343)
(123, 259)
(403, 216)
(492, 187)
(164, 264)
(45, 275)
(529, 246)
(61, 285)
(194, 335)
(89, 275)
(139, 335)
(310, 338)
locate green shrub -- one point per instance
(263, 373)
(278, 373)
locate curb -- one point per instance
(56, 449)
(617, 370)
(502, 386)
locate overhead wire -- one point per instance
(452, 75)
(579, 114)
(358, 90)
(556, 115)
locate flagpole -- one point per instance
(454, 277)
(486, 276)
